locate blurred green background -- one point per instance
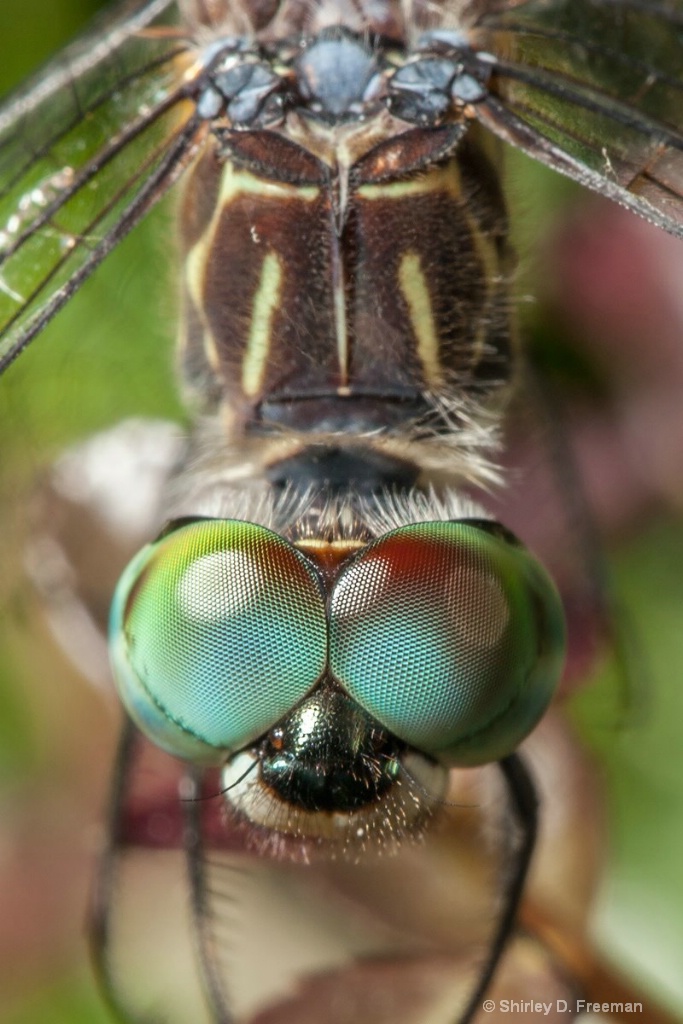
(76, 379)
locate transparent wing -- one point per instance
(594, 89)
(86, 149)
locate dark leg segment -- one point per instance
(212, 984)
(104, 889)
(524, 806)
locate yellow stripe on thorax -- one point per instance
(437, 179)
(413, 283)
(236, 182)
(266, 301)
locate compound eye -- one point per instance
(451, 636)
(216, 631)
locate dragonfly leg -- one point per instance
(213, 988)
(524, 806)
(100, 915)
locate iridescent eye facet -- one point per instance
(451, 636)
(216, 631)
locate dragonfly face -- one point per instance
(331, 615)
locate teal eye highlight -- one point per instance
(451, 636)
(216, 631)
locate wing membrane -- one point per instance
(85, 150)
(594, 88)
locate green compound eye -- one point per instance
(216, 631)
(451, 637)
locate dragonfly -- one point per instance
(347, 332)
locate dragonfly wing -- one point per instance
(595, 91)
(85, 150)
